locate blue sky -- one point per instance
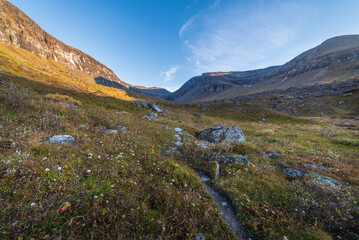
(164, 43)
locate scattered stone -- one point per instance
(347, 94)
(285, 238)
(293, 173)
(226, 159)
(70, 105)
(82, 126)
(180, 121)
(264, 120)
(271, 155)
(148, 105)
(2, 81)
(196, 114)
(200, 236)
(202, 176)
(61, 139)
(151, 117)
(341, 102)
(164, 115)
(177, 143)
(203, 109)
(217, 170)
(121, 128)
(220, 133)
(203, 144)
(315, 167)
(224, 204)
(178, 129)
(108, 131)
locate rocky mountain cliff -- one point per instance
(18, 30)
(336, 59)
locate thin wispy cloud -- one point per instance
(233, 39)
(185, 26)
(168, 75)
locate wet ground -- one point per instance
(226, 208)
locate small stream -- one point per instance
(224, 203)
(226, 208)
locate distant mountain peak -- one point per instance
(336, 59)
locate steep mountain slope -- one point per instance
(18, 30)
(335, 59)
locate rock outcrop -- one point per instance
(228, 159)
(313, 176)
(219, 133)
(148, 105)
(62, 139)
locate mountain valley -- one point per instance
(263, 154)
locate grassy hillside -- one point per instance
(118, 186)
(20, 62)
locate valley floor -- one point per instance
(115, 183)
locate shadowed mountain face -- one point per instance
(153, 92)
(17, 29)
(336, 59)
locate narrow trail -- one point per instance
(226, 208)
(224, 203)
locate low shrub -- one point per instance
(351, 142)
(335, 207)
(15, 97)
(63, 98)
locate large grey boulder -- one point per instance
(61, 139)
(148, 105)
(226, 159)
(220, 133)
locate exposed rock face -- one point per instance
(218, 133)
(151, 117)
(61, 139)
(276, 99)
(334, 59)
(227, 159)
(316, 167)
(316, 177)
(18, 30)
(148, 105)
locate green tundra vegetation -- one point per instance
(119, 186)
